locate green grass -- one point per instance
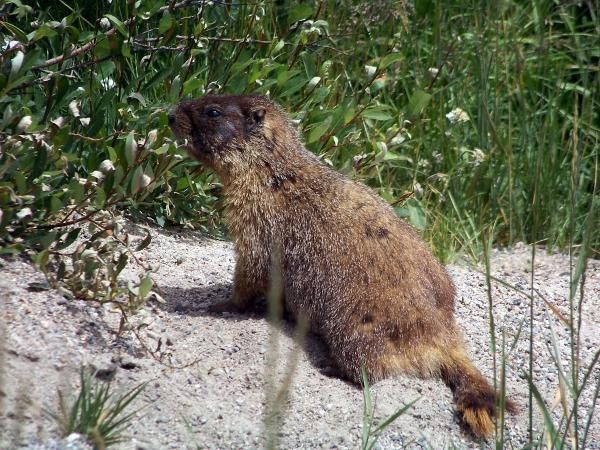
(372, 429)
(96, 412)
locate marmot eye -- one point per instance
(213, 113)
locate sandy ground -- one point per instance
(207, 373)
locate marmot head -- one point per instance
(233, 133)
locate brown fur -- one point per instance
(361, 276)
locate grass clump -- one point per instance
(371, 430)
(97, 412)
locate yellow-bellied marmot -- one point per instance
(361, 276)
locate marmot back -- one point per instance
(362, 277)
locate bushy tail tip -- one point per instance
(474, 397)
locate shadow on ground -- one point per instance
(196, 301)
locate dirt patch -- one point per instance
(206, 374)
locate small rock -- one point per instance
(106, 373)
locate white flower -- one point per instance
(418, 189)
(145, 181)
(12, 44)
(357, 159)
(313, 82)
(370, 70)
(74, 108)
(24, 213)
(59, 122)
(106, 166)
(107, 83)
(397, 140)
(89, 253)
(97, 175)
(152, 136)
(478, 156)
(24, 123)
(105, 23)
(457, 115)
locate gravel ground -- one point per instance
(206, 374)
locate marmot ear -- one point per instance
(258, 114)
(255, 117)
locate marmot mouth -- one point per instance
(193, 148)
(197, 150)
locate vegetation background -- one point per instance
(478, 120)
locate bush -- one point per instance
(476, 124)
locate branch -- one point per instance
(143, 43)
(50, 75)
(78, 51)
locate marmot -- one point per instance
(362, 277)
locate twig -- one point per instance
(79, 50)
(120, 241)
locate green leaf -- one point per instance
(166, 22)
(241, 66)
(41, 33)
(392, 156)
(295, 85)
(390, 59)
(349, 114)
(123, 258)
(39, 164)
(139, 97)
(112, 154)
(130, 149)
(44, 239)
(136, 180)
(162, 149)
(55, 204)
(15, 31)
(41, 259)
(76, 190)
(319, 130)
(120, 26)
(285, 75)
(61, 137)
(109, 181)
(300, 12)
(20, 182)
(125, 50)
(417, 217)
(145, 287)
(417, 103)
(376, 113)
(100, 198)
(192, 85)
(69, 239)
(277, 48)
